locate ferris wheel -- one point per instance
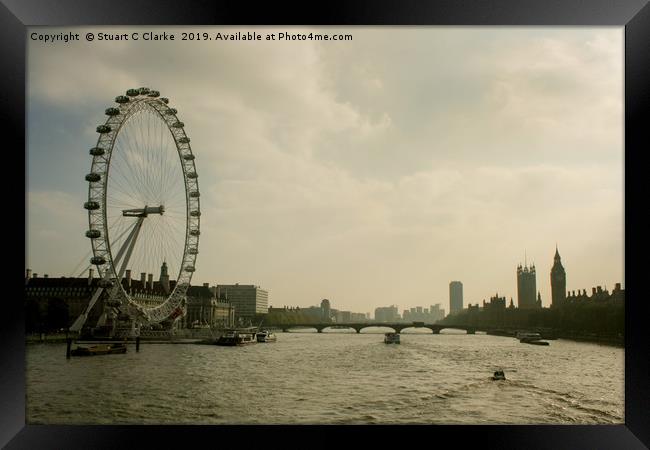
(143, 204)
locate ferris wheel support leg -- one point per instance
(130, 242)
(81, 320)
(133, 238)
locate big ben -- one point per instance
(558, 281)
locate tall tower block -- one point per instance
(455, 297)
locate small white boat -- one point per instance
(391, 338)
(266, 336)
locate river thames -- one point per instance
(331, 378)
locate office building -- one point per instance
(455, 297)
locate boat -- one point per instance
(391, 338)
(234, 337)
(531, 338)
(99, 349)
(499, 375)
(266, 336)
(527, 335)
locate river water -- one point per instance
(331, 378)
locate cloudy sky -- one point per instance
(371, 172)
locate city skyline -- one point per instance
(333, 166)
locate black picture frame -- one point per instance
(634, 15)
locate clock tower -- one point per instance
(558, 281)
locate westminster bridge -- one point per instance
(358, 326)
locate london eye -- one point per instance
(143, 205)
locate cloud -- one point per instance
(55, 225)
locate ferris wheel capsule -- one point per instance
(93, 234)
(93, 177)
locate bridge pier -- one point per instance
(319, 330)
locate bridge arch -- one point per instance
(386, 328)
(338, 327)
(412, 327)
(467, 330)
(299, 328)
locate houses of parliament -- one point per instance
(526, 288)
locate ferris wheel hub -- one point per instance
(143, 212)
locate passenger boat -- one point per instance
(99, 349)
(233, 337)
(266, 336)
(391, 338)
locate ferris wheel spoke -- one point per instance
(152, 157)
(171, 235)
(132, 169)
(125, 194)
(143, 147)
(170, 168)
(128, 183)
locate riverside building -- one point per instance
(247, 299)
